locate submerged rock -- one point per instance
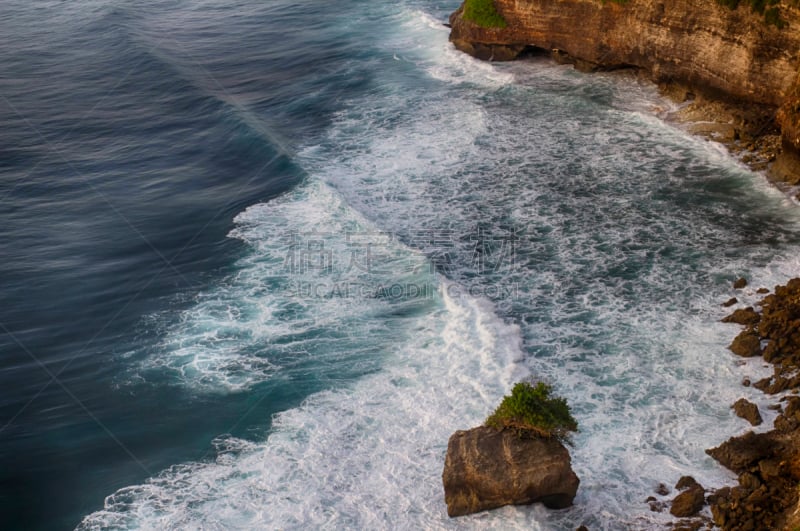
(487, 468)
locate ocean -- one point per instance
(261, 259)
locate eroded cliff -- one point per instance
(723, 53)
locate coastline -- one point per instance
(759, 130)
(734, 75)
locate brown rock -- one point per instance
(730, 302)
(689, 502)
(748, 411)
(762, 291)
(705, 45)
(662, 490)
(486, 468)
(746, 344)
(746, 316)
(739, 283)
(686, 482)
(740, 453)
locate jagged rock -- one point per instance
(739, 283)
(686, 482)
(740, 453)
(689, 502)
(486, 468)
(745, 316)
(655, 505)
(748, 411)
(730, 302)
(691, 525)
(746, 344)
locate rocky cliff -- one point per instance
(711, 49)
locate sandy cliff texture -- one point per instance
(702, 44)
(731, 55)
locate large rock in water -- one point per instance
(486, 468)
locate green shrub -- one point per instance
(533, 410)
(772, 15)
(483, 13)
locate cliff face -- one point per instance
(704, 45)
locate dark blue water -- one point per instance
(132, 134)
(154, 156)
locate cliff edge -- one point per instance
(726, 54)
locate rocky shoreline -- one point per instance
(767, 464)
(737, 75)
(736, 81)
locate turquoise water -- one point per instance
(275, 254)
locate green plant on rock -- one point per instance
(532, 409)
(483, 13)
(772, 15)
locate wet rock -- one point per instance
(739, 283)
(662, 490)
(762, 291)
(744, 316)
(691, 525)
(748, 411)
(730, 302)
(746, 344)
(746, 382)
(686, 482)
(486, 468)
(740, 453)
(689, 502)
(655, 505)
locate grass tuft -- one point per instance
(483, 13)
(531, 408)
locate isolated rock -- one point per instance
(686, 482)
(730, 302)
(739, 283)
(748, 411)
(486, 468)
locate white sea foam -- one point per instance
(304, 280)
(628, 237)
(364, 457)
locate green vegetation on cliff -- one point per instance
(532, 409)
(483, 13)
(767, 8)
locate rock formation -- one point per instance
(767, 464)
(486, 468)
(706, 47)
(690, 500)
(748, 411)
